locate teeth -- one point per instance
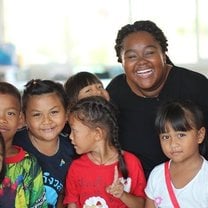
(47, 130)
(144, 71)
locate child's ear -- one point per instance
(99, 133)
(201, 135)
(21, 120)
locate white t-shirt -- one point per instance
(193, 195)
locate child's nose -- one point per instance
(46, 119)
(173, 142)
(2, 118)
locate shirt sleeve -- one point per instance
(37, 194)
(71, 192)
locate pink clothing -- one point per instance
(86, 182)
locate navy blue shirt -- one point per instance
(54, 167)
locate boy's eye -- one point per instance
(36, 114)
(11, 113)
(54, 112)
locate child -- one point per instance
(44, 108)
(2, 158)
(81, 85)
(180, 182)
(22, 185)
(84, 84)
(104, 176)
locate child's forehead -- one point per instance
(9, 98)
(92, 81)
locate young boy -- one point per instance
(22, 185)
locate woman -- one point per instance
(150, 78)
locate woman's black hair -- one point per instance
(143, 26)
(96, 111)
(39, 87)
(3, 170)
(183, 116)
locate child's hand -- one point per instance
(116, 188)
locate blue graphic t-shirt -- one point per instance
(54, 167)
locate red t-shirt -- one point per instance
(86, 182)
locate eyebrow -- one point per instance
(146, 47)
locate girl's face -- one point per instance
(45, 116)
(93, 90)
(144, 63)
(10, 116)
(181, 146)
(83, 138)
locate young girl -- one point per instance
(44, 108)
(2, 158)
(180, 182)
(84, 84)
(81, 85)
(22, 184)
(104, 176)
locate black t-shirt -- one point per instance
(137, 114)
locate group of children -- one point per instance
(59, 147)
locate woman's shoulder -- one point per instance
(184, 72)
(119, 79)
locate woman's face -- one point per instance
(144, 64)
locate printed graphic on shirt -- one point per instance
(158, 201)
(95, 202)
(126, 183)
(21, 185)
(99, 202)
(53, 187)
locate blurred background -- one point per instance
(53, 39)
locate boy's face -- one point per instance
(45, 116)
(10, 116)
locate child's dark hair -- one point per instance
(143, 26)
(3, 170)
(96, 111)
(40, 87)
(77, 82)
(182, 116)
(7, 88)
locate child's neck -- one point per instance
(11, 151)
(104, 157)
(183, 173)
(48, 148)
